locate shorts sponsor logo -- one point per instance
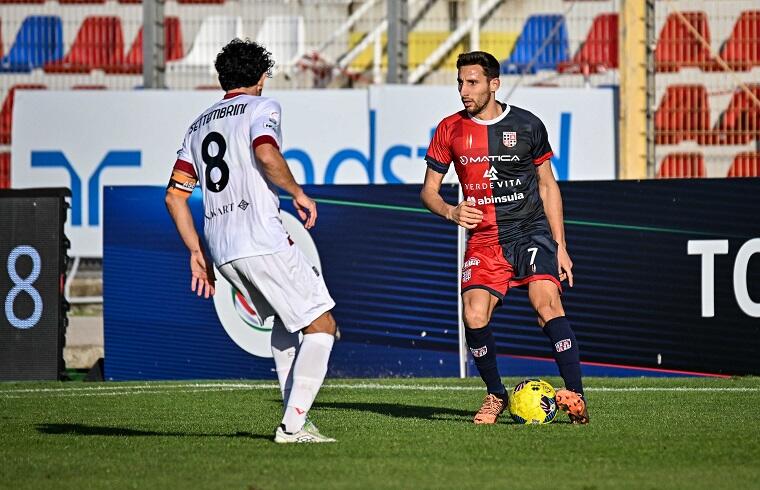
(563, 345)
(509, 138)
(473, 261)
(480, 351)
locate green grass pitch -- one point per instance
(413, 433)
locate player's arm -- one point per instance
(552, 199)
(277, 171)
(177, 193)
(464, 214)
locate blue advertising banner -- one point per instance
(667, 282)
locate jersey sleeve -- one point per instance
(265, 127)
(185, 161)
(438, 155)
(541, 150)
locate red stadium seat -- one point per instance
(740, 123)
(683, 114)
(682, 165)
(7, 2)
(133, 63)
(679, 47)
(742, 49)
(130, 1)
(5, 170)
(201, 1)
(98, 44)
(600, 50)
(72, 2)
(746, 164)
(6, 113)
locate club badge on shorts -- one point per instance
(509, 138)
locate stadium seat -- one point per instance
(534, 35)
(72, 2)
(746, 164)
(5, 170)
(6, 113)
(89, 87)
(283, 36)
(683, 114)
(130, 1)
(8, 2)
(133, 62)
(201, 1)
(740, 123)
(600, 50)
(39, 40)
(213, 34)
(98, 44)
(678, 47)
(742, 49)
(682, 165)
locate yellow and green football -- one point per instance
(533, 402)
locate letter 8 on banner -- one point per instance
(249, 321)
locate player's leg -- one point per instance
(478, 305)
(545, 299)
(284, 344)
(485, 276)
(309, 371)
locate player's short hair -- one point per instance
(489, 63)
(242, 63)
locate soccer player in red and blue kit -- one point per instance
(512, 209)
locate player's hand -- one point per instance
(565, 265)
(306, 209)
(203, 279)
(465, 214)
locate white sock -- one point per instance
(308, 374)
(284, 351)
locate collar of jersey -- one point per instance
(501, 116)
(232, 94)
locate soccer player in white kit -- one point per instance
(232, 151)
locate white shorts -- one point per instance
(289, 283)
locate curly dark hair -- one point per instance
(241, 64)
(489, 63)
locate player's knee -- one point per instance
(324, 324)
(549, 310)
(475, 318)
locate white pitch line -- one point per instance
(116, 390)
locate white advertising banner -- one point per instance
(88, 140)
(580, 124)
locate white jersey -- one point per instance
(241, 207)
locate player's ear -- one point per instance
(260, 83)
(495, 83)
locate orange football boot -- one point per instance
(492, 407)
(574, 405)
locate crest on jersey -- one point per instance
(509, 138)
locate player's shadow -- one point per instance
(412, 411)
(400, 411)
(93, 430)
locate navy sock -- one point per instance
(566, 352)
(483, 348)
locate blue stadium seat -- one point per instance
(39, 41)
(535, 32)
